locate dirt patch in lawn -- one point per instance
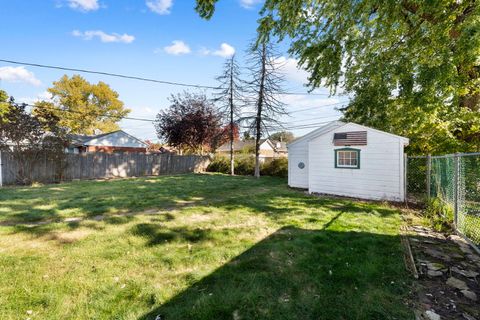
(70, 236)
(449, 272)
(100, 217)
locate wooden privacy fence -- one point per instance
(101, 166)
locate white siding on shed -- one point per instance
(298, 178)
(380, 176)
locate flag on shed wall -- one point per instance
(353, 138)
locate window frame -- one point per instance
(338, 166)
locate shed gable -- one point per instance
(352, 138)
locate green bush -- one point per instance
(440, 214)
(276, 167)
(245, 166)
(219, 164)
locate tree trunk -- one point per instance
(257, 153)
(232, 162)
(258, 120)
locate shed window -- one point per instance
(347, 158)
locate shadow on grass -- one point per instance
(90, 199)
(301, 274)
(359, 206)
(156, 234)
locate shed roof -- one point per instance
(335, 125)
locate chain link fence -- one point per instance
(468, 217)
(416, 179)
(455, 180)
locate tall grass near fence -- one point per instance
(102, 166)
(452, 182)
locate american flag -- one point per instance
(353, 138)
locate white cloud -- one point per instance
(178, 47)
(84, 5)
(104, 37)
(147, 110)
(18, 74)
(249, 4)
(45, 95)
(42, 96)
(292, 70)
(297, 101)
(225, 51)
(204, 51)
(160, 6)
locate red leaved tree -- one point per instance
(191, 123)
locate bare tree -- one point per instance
(266, 86)
(230, 95)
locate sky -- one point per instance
(157, 39)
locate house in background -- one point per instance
(350, 160)
(280, 148)
(269, 149)
(117, 141)
(159, 148)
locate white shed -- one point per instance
(349, 159)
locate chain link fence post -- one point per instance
(429, 175)
(405, 179)
(456, 179)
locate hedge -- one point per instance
(245, 166)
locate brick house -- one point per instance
(117, 141)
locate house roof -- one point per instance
(239, 145)
(317, 132)
(78, 140)
(279, 145)
(337, 124)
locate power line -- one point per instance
(275, 127)
(110, 74)
(290, 126)
(118, 118)
(310, 108)
(321, 106)
(298, 122)
(294, 127)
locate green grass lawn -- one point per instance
(197, 247)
